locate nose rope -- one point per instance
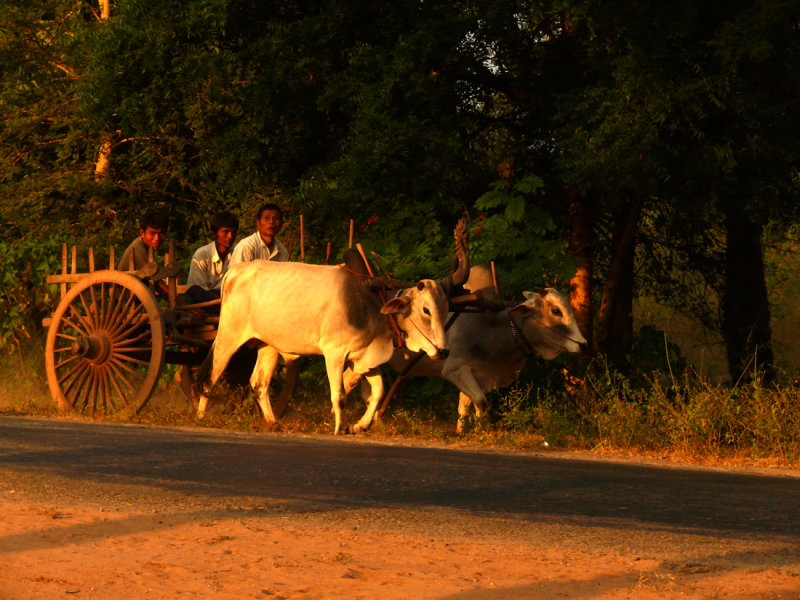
(566, 337)
(524, 345)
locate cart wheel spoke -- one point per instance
(115, 378)
(122, 314)
(107, 399)
(130, 342)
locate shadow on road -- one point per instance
(319, 474)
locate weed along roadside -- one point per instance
(685, 421)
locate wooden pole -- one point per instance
(91, 259)
(172, 281)
(112, 264)
(64, 255)
(302, 241)
(494, 281)
(350, 243)
(327, 254)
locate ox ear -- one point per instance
(532, 305)
(395, 306)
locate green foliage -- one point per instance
(24, 297)
(515, 231)
(397, 115)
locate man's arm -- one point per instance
(198, 272)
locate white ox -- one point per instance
(488, 350)
(294, 309)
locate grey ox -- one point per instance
(488, 350)
(294, 309)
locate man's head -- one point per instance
(153, 229)
(224, 226)
(269, 221)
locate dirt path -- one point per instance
(129, 512)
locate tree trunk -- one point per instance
(581, 245)
(614, 334)
(103, 163)
(745, 304)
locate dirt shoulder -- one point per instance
(130, 512)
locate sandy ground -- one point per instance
(65, 551)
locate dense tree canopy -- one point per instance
(650, 142)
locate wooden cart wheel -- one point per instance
(105, 345)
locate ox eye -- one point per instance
(557, 312)
(426, 311)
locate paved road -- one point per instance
(589, 503)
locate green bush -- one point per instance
(24, 296)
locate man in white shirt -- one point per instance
(263, 244)
(210, 262)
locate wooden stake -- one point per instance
(111, 259)
(494, 281)
(74, 259)
(302, 241)
(327, 254)
(91, 259)
(350, 243)
(172, 282)
(63, 268)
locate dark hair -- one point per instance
(154, 219)
(269, 206)
(223, 219)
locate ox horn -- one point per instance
(459, 265)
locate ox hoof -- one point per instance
(262, 425)
(351, 429)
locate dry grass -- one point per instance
(691, 421)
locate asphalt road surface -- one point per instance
(748, 516)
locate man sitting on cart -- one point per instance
(152, 234)
(210, 262)
(263, 244)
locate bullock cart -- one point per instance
(113, 331)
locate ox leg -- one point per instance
(334, 365)
(471, 393)
(262, 374)
(289, 383)
(375, 381)
(220, 354)
(464, 402)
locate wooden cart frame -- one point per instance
(113, 331)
